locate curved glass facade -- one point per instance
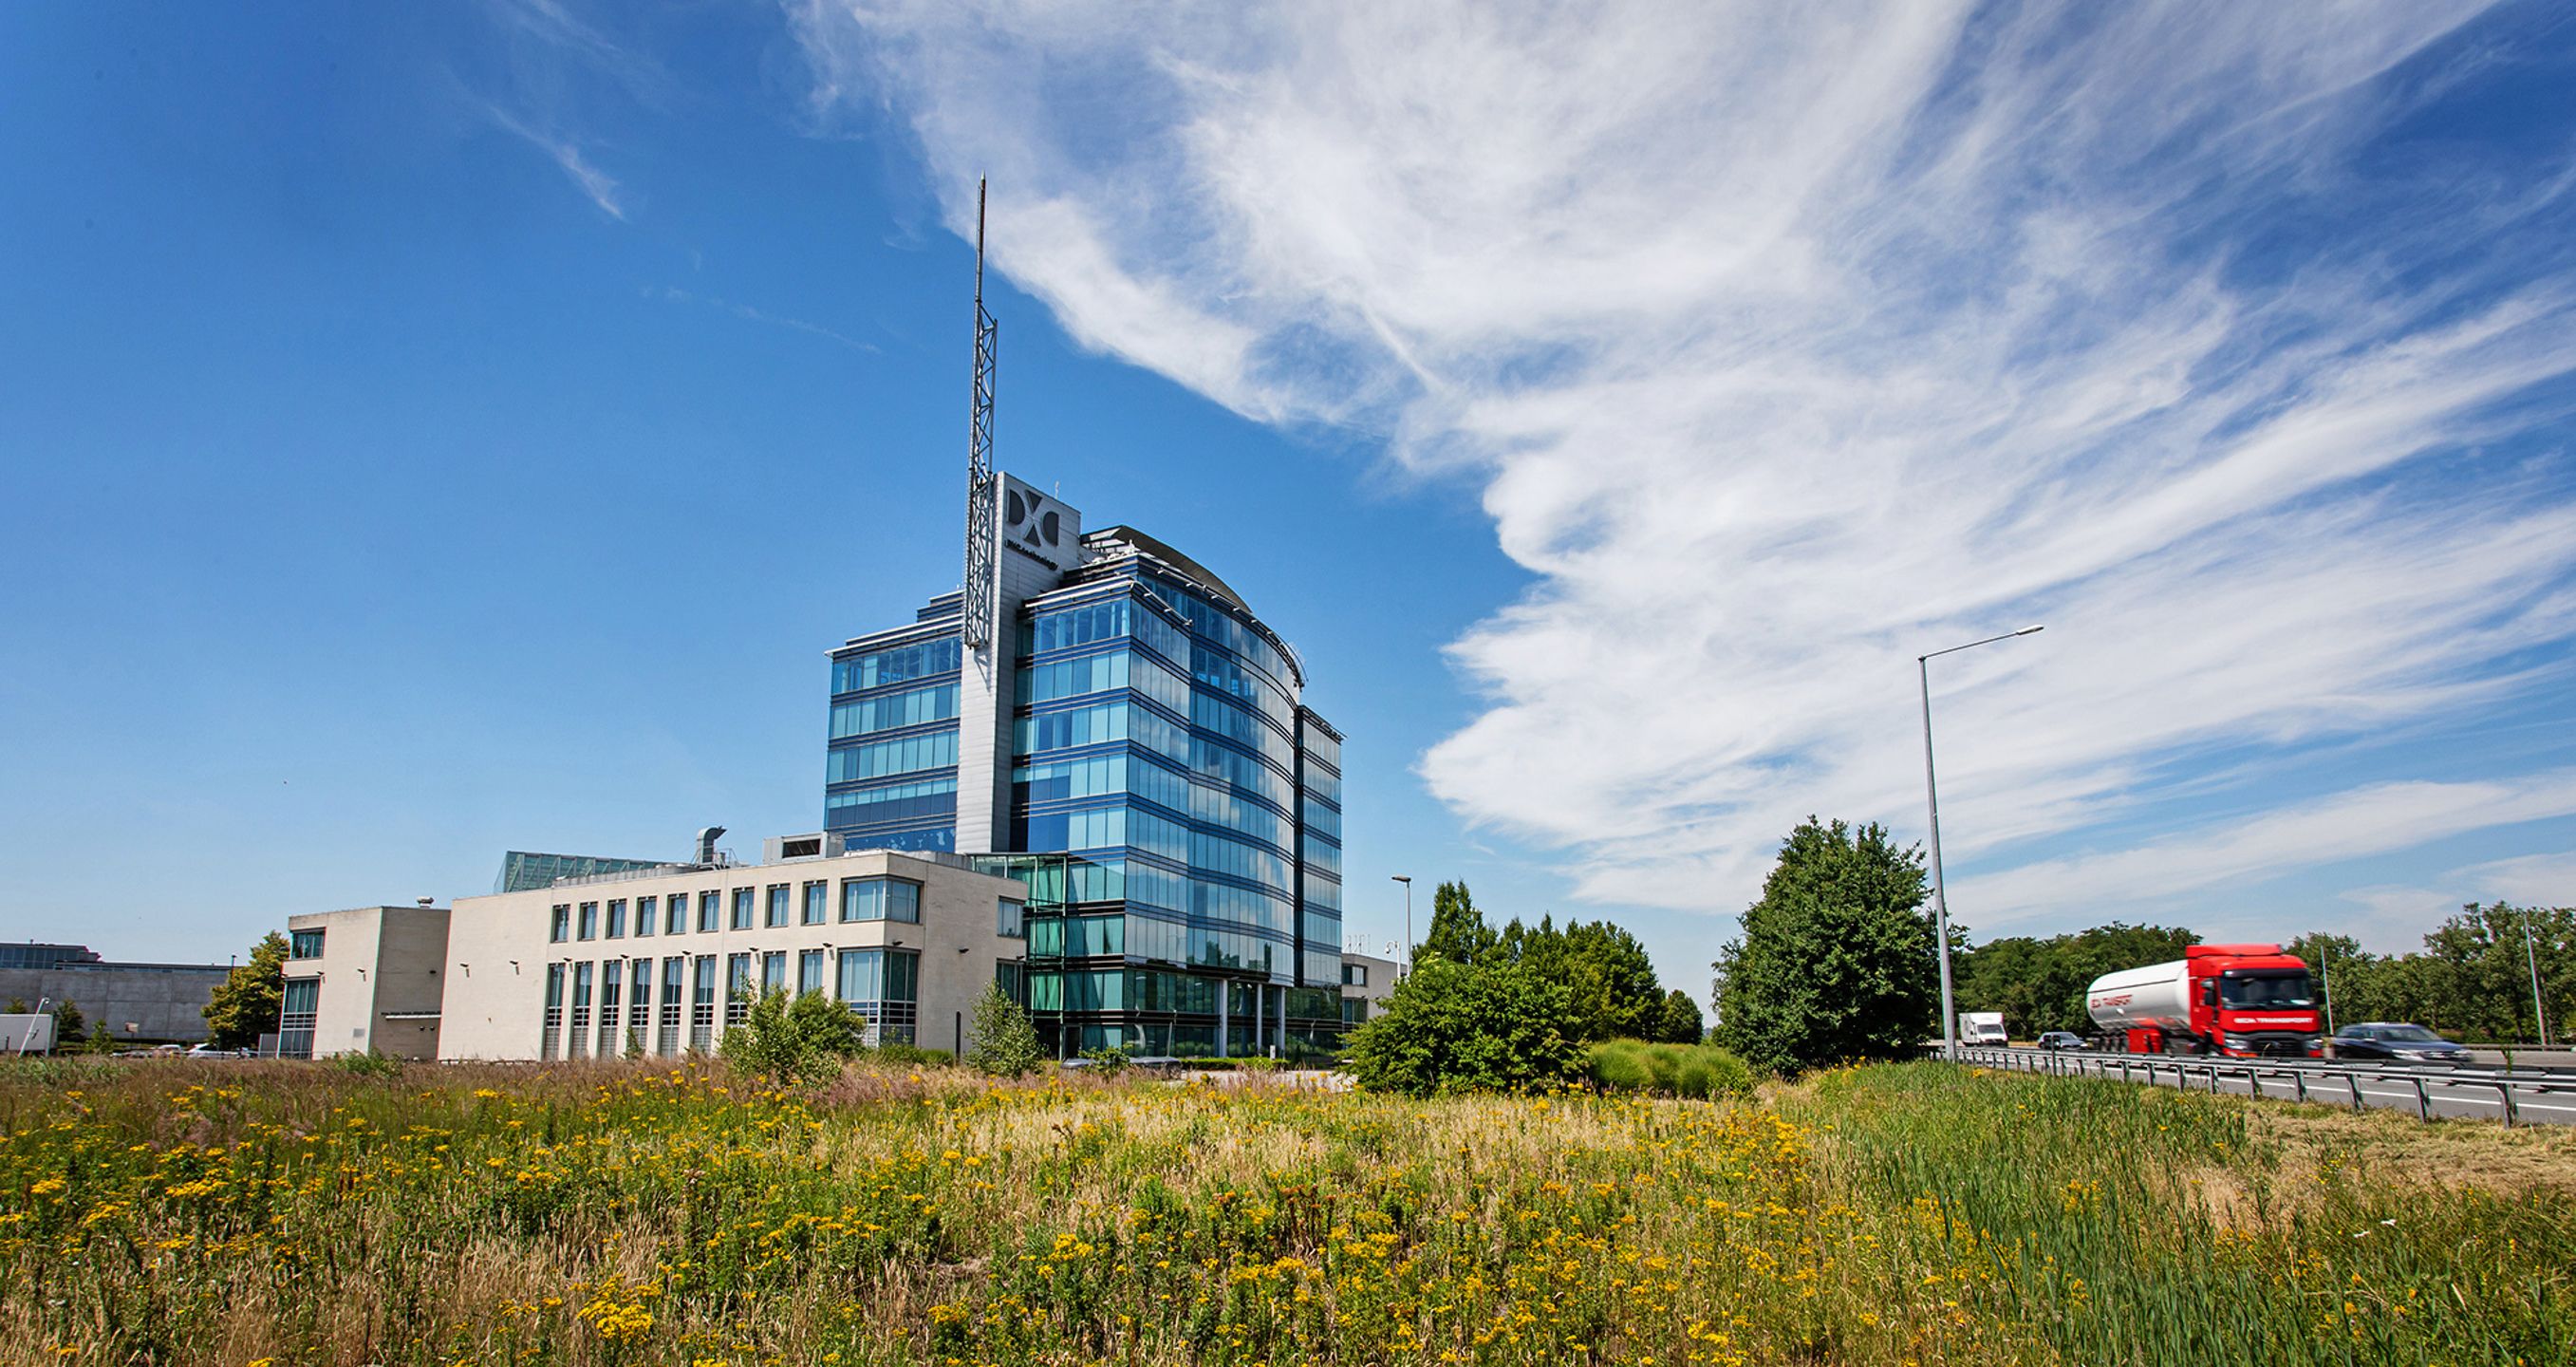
(1156, 737)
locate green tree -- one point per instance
(2039, 984)
(1452, 1027)
(1680, 1023)
(1005, 1040)
(794, 1039)
(69, 1024)
(1458, 931)
(1836, 958)
(245, 1004)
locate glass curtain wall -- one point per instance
(890, 772)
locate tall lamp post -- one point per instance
(2531, 959)
(1932, 807)
(1407, 880)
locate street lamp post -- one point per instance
(1407, 880)
(2531, 958)
(1932, 808)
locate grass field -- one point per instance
(286, 1214)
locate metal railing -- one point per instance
(2432, 1091)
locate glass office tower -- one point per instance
(1156, 743)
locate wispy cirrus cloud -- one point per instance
(749, 314)
(1787, 343)
(590, 180)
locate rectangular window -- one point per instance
(809, 971)
(612, 981)
(882, 987)
(702, 1001)
(818, 898)
(297, 1009)
(742, 899)
(552, 1041)
(710, 908)
(1008, 918)
(639, 1007)
(674, 984)
(577, 1042)
(777, 906)
(617, 918)
(560, 929)
(305, 944)
(880, 899)
(647, 911)
(677, 919)
(737, 988)
(590, 920)
(1355, 975)
(773, 971)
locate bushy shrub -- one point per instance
(793, 1040)
(1005, 1040)
(369, 1064)
(1452, 1028)
(1693, 1071)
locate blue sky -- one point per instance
(433, 431)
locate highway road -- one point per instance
(2528, 1094)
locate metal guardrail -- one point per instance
(2432, 1091)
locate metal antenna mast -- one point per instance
(980, 531)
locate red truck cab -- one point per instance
(2244, 1001)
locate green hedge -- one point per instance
(1684, 1070)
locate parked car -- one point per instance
(2396, 1040)
(2061, 1039)
(210, 1051)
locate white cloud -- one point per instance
(2533, 880)
(1787, 343)
(590, 180)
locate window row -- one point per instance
(1320, 745)
(1225, 718)
(1321, 818)
(1323, 891)
(1100, 674)
(606, 1009)
(895, 665)
(1215, 624)
(1214, 669)
(1322, 853)
(862, 899)
(304, 944)
(1099, 724)
(913, 707)
(1162, 990)
(918, 800)
(902, 755)
(1325, 784)
(1214, 763)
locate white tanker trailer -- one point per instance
(2249, 1001)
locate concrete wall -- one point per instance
(381, 971)
(162, 1002)
(498, 948)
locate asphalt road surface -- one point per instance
(2541, 1095)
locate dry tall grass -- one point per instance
(611, 1213)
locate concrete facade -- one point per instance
(1375, 983)
(1037, 540)
(502, 954)
(378, 981)
(139, 1002)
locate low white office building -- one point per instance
(662, 961)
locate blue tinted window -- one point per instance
(895, 665)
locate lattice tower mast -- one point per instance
(981, 531)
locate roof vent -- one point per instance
(707, 844)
